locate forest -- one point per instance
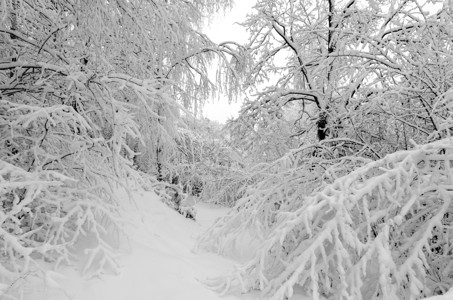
(339, 160)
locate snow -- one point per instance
(447, 296)
(157, 260)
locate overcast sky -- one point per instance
(223, 28)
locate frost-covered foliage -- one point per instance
(84, 87)
(44, 216)
(226, 184)
(206, 165)
(371, 71)
(263, 132)
(60, 168)
(339, 84)
(268, 189)
(383, 231)
(148, 56)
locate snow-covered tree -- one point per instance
(369, 71)
(346, 83)
(206, 165)
(84, 87)
(382, 231)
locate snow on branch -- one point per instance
(382, 231)
(44, 216)
(268, 189)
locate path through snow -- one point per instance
(158, 261)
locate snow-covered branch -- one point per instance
(381, 232)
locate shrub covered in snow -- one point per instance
(266, 190)
(45, 215)
(207, 166)
(384, 231)
(84, 87)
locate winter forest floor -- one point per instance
(158, 261)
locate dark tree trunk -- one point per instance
(160, 176)
(322, 126)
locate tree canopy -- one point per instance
(370, 73)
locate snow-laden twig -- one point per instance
(377, 233)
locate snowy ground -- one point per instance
(158, 261)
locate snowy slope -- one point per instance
(157, 261)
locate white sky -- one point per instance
(223, 28)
